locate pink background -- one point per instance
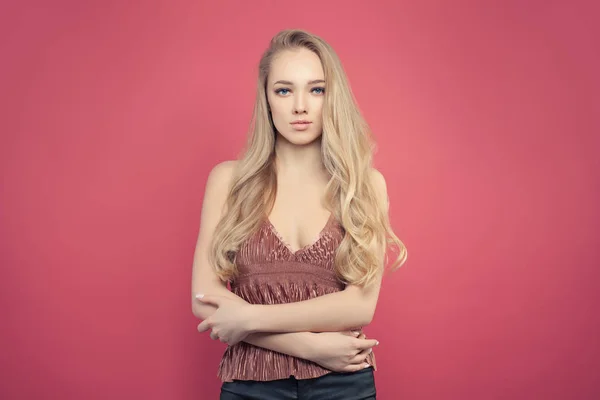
(486, 114)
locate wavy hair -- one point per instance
(347, 151)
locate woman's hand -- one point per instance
(342, 351)
(230, 323)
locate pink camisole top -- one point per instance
(270, 272)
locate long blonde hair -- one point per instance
(347, 152)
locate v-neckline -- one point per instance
(284, 242)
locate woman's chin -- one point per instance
(300, 138)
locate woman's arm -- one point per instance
(336, 351)
(351, 308)
(205, 280)
(296, 344)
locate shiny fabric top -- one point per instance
(270, 272)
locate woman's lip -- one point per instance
(306, 122)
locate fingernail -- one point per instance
(367, 365)
(377, 344)
(356, 333)
(199, 296)
(370, 351)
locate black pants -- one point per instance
(333, 386)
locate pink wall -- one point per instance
(487, 120)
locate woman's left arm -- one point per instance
(351, 308)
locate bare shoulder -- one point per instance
(378, 178)
(223, 171)
(379, 181)
(380, 185)
(217, 183)
(220, 175)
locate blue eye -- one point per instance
(283, 91)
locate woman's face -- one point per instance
(295, 91)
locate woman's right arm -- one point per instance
(205, 280)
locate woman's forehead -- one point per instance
(298, 67)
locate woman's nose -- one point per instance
(299, 104)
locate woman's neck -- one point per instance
(298, 162)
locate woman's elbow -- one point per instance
(365, 321)
(366, 316)
(196, 311)
(202, 311)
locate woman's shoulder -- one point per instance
(378, 180)
(221, 173)
(219, 178)
(377, 176)
(380, 186)
(223, 169)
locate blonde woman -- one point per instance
(299, 227)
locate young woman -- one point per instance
(299, 227)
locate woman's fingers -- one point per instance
(356, 334)
(355, 367)
(364, 344)
(361, 357)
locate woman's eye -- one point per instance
(283, 91)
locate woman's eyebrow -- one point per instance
(309, 82)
